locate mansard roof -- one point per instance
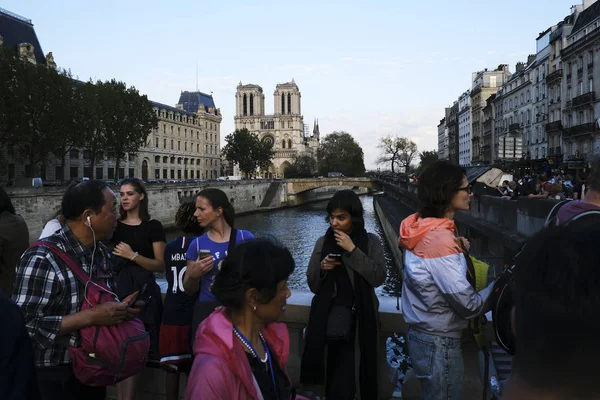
(176, 110)
(191, 100)
(16, 30)
(587, 16)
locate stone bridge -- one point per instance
(296, 186)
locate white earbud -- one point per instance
(89, 221)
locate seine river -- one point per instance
(299, 228)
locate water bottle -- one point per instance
(494, 386)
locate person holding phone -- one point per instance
(205, 254)
(345, 267)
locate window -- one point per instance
(198, 148)
(185, 133)
(99, 173)
(211, 137)
(156, 141)
(283, 144)
(179, 131)
(251, 105)
(157, 173)
(111, 173)
(591, 85)
(185, 146)
(74, 154)
(289, 143)
(282, 106)
(157, 159)
(245, 105)
(179, 145)
(172, 146)
(164, 143)
(205, 135)
(164, 128)
(131, 173)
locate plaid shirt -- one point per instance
(46, 290)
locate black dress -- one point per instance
(265, 382)
(131, 277)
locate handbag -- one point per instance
(340, 324)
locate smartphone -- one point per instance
(335, 256)
(203, 254)
(138, 295)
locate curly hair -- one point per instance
(437, 186)
(185, 219)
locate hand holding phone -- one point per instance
(137, 296)
(335, 256)
(203, 254)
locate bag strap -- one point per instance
(232, 239)
(67, 259)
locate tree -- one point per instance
(67, 118)
(126, 120)
(397, 151)
(245, 149)
(427, 158)
(303, 167)
(339, 152)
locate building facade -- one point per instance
(284, 129)
(485, 83)
(442, 140)
(452, 125)
(464, 129)
(580, 109)
(186, 144)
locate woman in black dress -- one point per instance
(139, 245)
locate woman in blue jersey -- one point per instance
(175, 330)
(206, 253)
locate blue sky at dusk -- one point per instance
(371, 69)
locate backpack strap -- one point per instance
(584, 215)
(232, 240)
(67, 259)
(551, 219)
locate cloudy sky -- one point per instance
(372, 68)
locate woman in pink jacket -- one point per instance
(241, 349)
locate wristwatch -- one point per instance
(134, 256)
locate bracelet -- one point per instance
(134, 256)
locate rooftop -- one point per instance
(587, 16)
(16, 30)
(191, 100)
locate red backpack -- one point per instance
(107, 354)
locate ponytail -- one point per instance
(218, 199)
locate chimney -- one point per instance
(530, 59)
(519, 67)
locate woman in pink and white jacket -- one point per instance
(241, 350)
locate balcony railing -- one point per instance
(554, 76)
(554, 126)
(583, 129)
(514, 128)
(584, 99)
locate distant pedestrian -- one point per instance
(14, 240)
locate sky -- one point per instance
(371, 69)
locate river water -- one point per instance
(299, 228)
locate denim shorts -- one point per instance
(438, 364)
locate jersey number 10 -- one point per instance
(178, 279)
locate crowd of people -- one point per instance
(92, 276)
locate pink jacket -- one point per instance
(221, 370)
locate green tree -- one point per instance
(66, 118)
(303, 167)
(427, 158)
(245, 149)
(339, 152)
(88, 119)
(127, 118)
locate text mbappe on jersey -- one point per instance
(178, 257)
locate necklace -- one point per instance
(249, 346)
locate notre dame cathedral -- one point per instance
(284, 129)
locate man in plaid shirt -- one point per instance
(50, 295)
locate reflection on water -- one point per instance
(299, 228)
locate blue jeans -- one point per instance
(438, 364)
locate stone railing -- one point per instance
(151, 384)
